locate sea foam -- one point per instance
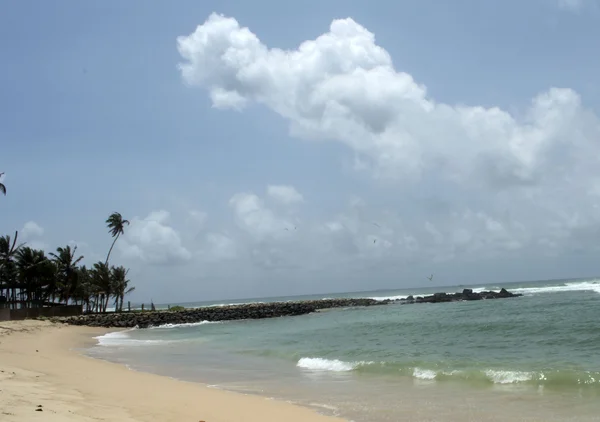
(332, 365)
(187, 324)
(424, 374)
(122, 338)
(590, 286)
(508, 377)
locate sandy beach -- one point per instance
(43, 377)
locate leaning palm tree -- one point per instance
(2, 187)
(116, 227)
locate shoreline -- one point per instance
(44, 377)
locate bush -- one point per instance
(177, 308)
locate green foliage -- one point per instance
(116, 224)
(116, 227)
(177, 308)
(30, 277)
(2, 187)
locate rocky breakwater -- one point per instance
(260, 310)
(214, 313)
(466, 294)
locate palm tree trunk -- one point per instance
(111, 248)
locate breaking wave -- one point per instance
(481, 376)
(187, 324)
(319, 364)
(122, 338)
(589, 286)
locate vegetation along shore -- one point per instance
(32, 278)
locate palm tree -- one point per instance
(36, 275)
(66, 263)
(85, 291)
(2, 187)
(33, 279)
(8, 251)
(101, 278)
(8, 271)
(116, 227)
(120, 286)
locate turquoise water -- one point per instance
(536, 357)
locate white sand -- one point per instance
(38, 368)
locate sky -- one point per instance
(268, 148)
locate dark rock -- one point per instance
(225, 313)
(259, 310)
(504, 293)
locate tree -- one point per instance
(101, 278)
(33, 278)
(2, 187)
(66, 264)
(8, 272)
(120, 286)
(36, 275)
(116, 227)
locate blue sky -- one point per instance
(463, 176)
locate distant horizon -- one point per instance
(218, 301)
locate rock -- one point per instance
(225, 313)
(259, 310)
(504, 293)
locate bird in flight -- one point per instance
(375, 224)
(430, 277)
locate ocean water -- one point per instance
(533, 358)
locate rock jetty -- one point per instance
(260, 310)
(467, 294)
(213, 313)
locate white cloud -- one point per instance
(32, 234)
(153, 241)
(219, 247)
(255, 218)
(510, 179)
(464, 185)
(284, 194)
(342, 86)
(31, 230)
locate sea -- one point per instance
(531, 358)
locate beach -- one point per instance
(528, 359)
(44, 377)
